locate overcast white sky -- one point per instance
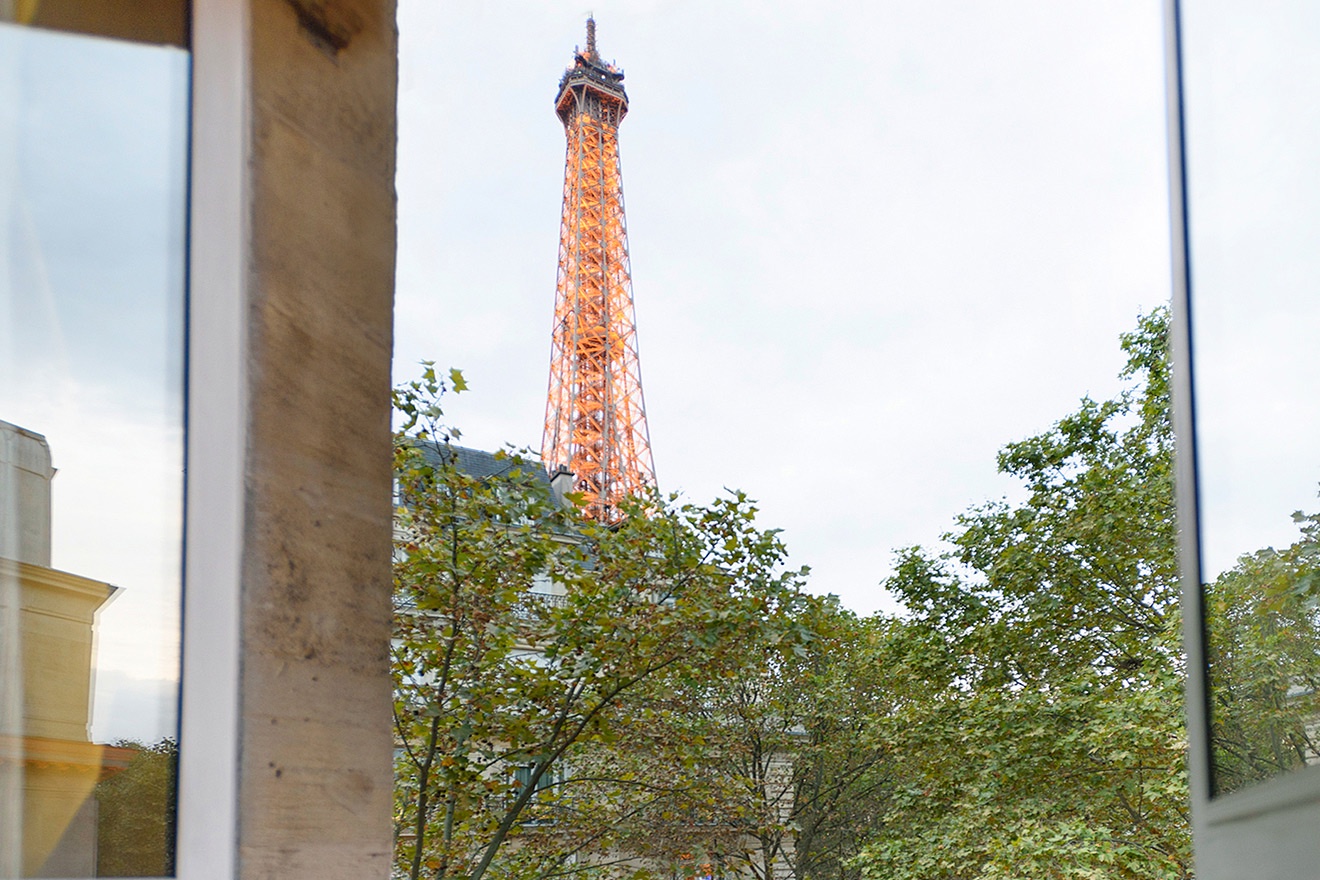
(871, 243)
(1254, 132)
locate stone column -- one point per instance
(315, 774)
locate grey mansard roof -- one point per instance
(479, 463)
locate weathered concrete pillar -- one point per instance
(314, 787)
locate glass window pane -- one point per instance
(1252, 80)
(93, 177)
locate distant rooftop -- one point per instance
(481, 464)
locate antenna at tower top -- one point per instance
(591, 37)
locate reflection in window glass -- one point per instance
(1251, 82)
(146, 21)
(92, 206)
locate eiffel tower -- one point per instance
(595, 417)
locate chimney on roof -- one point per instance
(25, 476)
(561, 483)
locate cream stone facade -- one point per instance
(47, 758)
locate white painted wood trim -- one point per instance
(216, 444)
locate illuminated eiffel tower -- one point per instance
(595, 417)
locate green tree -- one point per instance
(505, 702)
(789, 771)
(840, 770)
(1038, 729)
(135, 813)
(1263, 623)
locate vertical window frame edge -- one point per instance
(216, 428)
(1189, 550)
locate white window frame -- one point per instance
(218, 241)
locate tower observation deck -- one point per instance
(595, 418)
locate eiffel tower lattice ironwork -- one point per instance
(595, 418)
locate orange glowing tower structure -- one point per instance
(595, 418)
